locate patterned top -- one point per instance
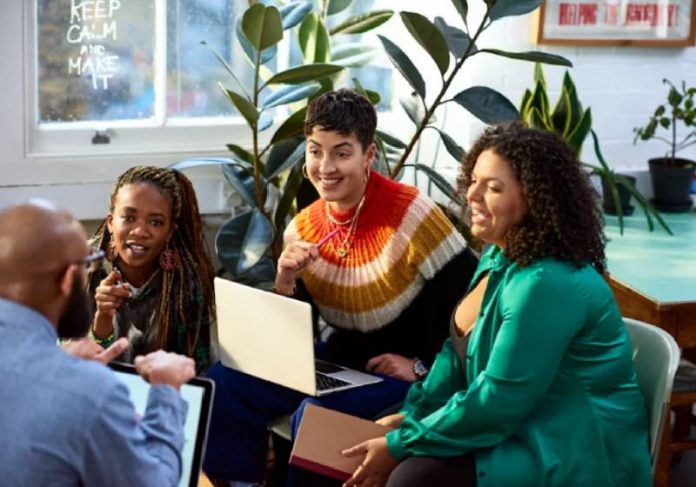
(137, 319)
(406, 265)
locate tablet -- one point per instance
(198, 393)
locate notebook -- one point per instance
(270, 337)
(324, 434)
(198, 393)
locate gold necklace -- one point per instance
(343, 249)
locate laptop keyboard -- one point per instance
(325, 382)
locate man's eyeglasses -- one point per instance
(93, 260)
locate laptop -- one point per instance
(270, 337)
(198, 393)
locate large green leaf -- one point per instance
(301, 74)
(360, 24)
(535, 56)
(561, 116)
(405, 66)
(293, 126)
(540, 101)
(430, 39)
(439, 181)
(243, 241)
(292, 185)
(391, 140)
(314, 40)
(248, 48)
(576, 110)
(580, 132)
(458, 41)
(262, 26)
(284, 155)
(290, 94)
(241, 152)
(243, 106)
(487, 105)
(293, 13)
(534, 118)
(463, 8)
(454, 149)
(507, 8)
(352, 55)
(336, 6)
(242, 180)
(373, 96)
(265, 121)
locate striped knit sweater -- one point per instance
(401, 240)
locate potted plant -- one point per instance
(268, 176)
(671, 175)
(573, 123)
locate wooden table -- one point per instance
(653, 274)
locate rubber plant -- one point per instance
(267, 175)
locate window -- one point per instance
(136, 71)
(131, 76)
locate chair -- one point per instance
(655, 359)
(683, 400)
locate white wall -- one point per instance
(622, 85)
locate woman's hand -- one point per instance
(294, 259)
(392, 421)
(109, 296)
(392, 365)
(377, 466)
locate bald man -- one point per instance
(66, 421)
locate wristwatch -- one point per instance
(419, 369)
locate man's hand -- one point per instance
(88, 349)
(392, 365)
(377, 466)
(392, 421)
(166, 368)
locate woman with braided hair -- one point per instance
(156, 286)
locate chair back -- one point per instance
(655, 359)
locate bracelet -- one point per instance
(103, 342)
(277, 291)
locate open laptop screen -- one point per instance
(198, 393)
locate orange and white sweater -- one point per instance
(401, 242)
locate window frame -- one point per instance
(176, 135)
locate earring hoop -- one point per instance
(368, 171)
(304, 171)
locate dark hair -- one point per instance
(193, 263)
(344, 111)
(563, 220)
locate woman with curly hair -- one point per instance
(535, 385)
(156, 286)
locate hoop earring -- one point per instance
(111, 252)
(368, 171)
(304, 171)
(167, 259)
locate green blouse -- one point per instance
(549, 395)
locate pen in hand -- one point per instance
(327, 237)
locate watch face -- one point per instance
(420, 369)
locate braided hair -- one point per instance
(192, 269)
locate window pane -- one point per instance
(95, 60)
(193, 72)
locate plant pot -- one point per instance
(672, 183)
(624, 197)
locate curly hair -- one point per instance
(193, 263)
(344, 111)
(563, 219)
